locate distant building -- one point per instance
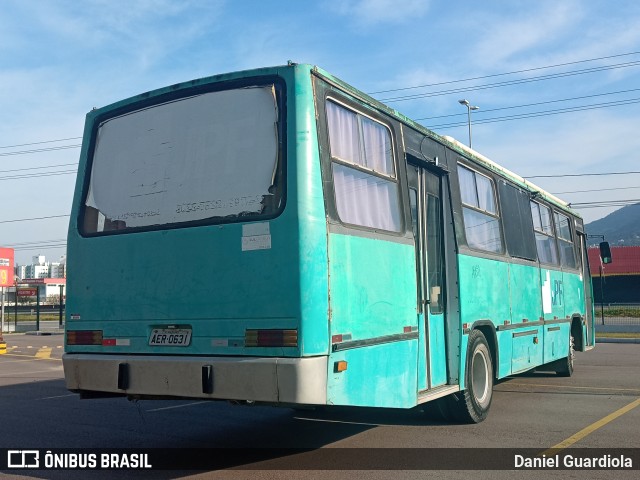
(37, 271)
(618, 281)
(48, 277)
(40, 268)
(57, 270)
(21, 271)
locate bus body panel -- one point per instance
(555, 341)
(307, 190)
(527, 349)
(251, 285)
(373, 310)
(381, 375)
(505, 349)
(526, 302)
(372, 287)
(423, 365)
(574, 296)
(484, 290)
(552, 293)
(437, 350)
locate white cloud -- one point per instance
(139, 34)
(502, 36)
(598, 141)
(576, 142)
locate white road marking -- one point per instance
(176, 406)
(60, 396)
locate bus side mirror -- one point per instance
(605, 252)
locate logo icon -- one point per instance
(23, 459)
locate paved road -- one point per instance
(536, 411)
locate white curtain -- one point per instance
(486, 200)
(377, 147)
(344, 134)
(362, 198)
(467, 186)
(367, 200)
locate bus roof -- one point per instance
(530, 186)
(450, 142)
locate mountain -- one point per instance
(621, 227)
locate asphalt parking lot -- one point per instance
(595, 408)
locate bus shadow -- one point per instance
(46, 416)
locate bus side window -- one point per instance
(565, 241)
(365, 182)
(413, 204)
(435, 255)
(545, 239)
(413, 200)
(480, 212)
(518, 226)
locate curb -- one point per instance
(617, 340)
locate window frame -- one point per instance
(280, 88)
(541, 231)
(517, 222)
(393, 179)
(494, 215)
(571, 241)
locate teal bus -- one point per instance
(276, 236)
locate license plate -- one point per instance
(170, 337)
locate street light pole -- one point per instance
(469, 108)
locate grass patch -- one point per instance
(632, 312)
(617, 335)
(9, 317)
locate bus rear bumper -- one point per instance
(258, 379)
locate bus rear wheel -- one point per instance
(564, 366)
(472, 404)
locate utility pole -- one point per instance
(469, 108)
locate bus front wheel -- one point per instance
(472, 404)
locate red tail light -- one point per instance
(84, 337)
(271, 338)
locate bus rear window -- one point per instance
(208, 158)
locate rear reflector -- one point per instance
(84, 337)
(340, 366)
(271, 338)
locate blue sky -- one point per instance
(58, 59)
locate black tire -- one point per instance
(472, 404)
(564, 366)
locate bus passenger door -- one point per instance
(583, 263)
(426, 217)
